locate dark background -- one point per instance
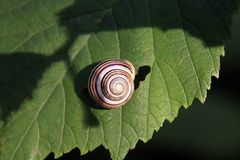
(204, 131)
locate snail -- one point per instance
(111, 83)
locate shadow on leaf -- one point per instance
(19, 73)
(80, 85)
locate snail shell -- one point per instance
(111, 83)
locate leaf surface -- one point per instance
(47, 49)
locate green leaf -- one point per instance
(47, 49)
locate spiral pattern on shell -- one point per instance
(111, 83)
